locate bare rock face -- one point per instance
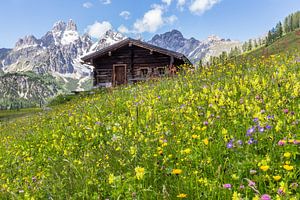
(194, 49)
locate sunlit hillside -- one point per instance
(224, 132)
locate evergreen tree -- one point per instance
(250, 45)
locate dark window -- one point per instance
(144, 72)
(161, 71)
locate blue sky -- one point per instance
(235, 19)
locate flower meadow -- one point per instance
(228, 131)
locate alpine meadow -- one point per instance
(224, 126)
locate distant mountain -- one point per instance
(26, 89)
(194, 49)
(56, 54)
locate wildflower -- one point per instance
(111, 178)
(261, 129)
(240, 142)
(139, 172)
(251, 183)
(281, 142)
(268, 127)
(205, 141)
(288, 167)
(182, 195)
(250, 131)
(280, 191)
(252, 141)
(195, 136)
(265, 197)
(277, 178)
(287, 154)
(229, 145)
(187, 151)
(227, 186)
(176, 171)
(286, 111)
(236, 196)
(264, 168)
(294, 186)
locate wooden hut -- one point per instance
(129, 61)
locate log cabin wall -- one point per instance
(141, 64)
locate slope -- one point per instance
(288, 43)
(219, 133)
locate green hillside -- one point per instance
(288, 43)
(228, 132)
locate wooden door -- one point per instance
(119, 75)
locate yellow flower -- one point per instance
(195, 136)
(236, 196)
(111, 178)
(276, 178)
(187, 151)
(205, 141)
(176, 171)
(264, 167)
(288, 167)
(287, 154)
(182, 195)
(139, 172)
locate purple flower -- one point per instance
(227, 186)
(205, 123)
(250, 131)
(242, 186)
(98, 123)
(265, 197)
(286, 111)
(268, 127)
(159, 97)
(261, 129)
(280, 191)
(255, 119)
(281, 142)
(251, 183)
(252, 141)
(229, 145)
(240, 142)
(270, 117)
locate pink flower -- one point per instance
(265, 197)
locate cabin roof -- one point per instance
(138, 43)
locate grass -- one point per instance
(288, 43)
(6, 115)
(228, 132)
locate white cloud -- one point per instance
(105, 2)
(200, 6)
(87, 5)
(180, 4)
(123, 29)
(125, 14)
(153, 20)
(98, 29)
(168, 2)
(171, 19)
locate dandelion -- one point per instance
(236, 196)
(205, 141)
(139, 172)
(182, 195)
(176, 171)
(288, 167)
(195, 136)
(264, 168)
(277, 178)
(287, 154)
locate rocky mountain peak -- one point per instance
(213, 38)
(27, 41)
(59, 26)
(71, 26)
